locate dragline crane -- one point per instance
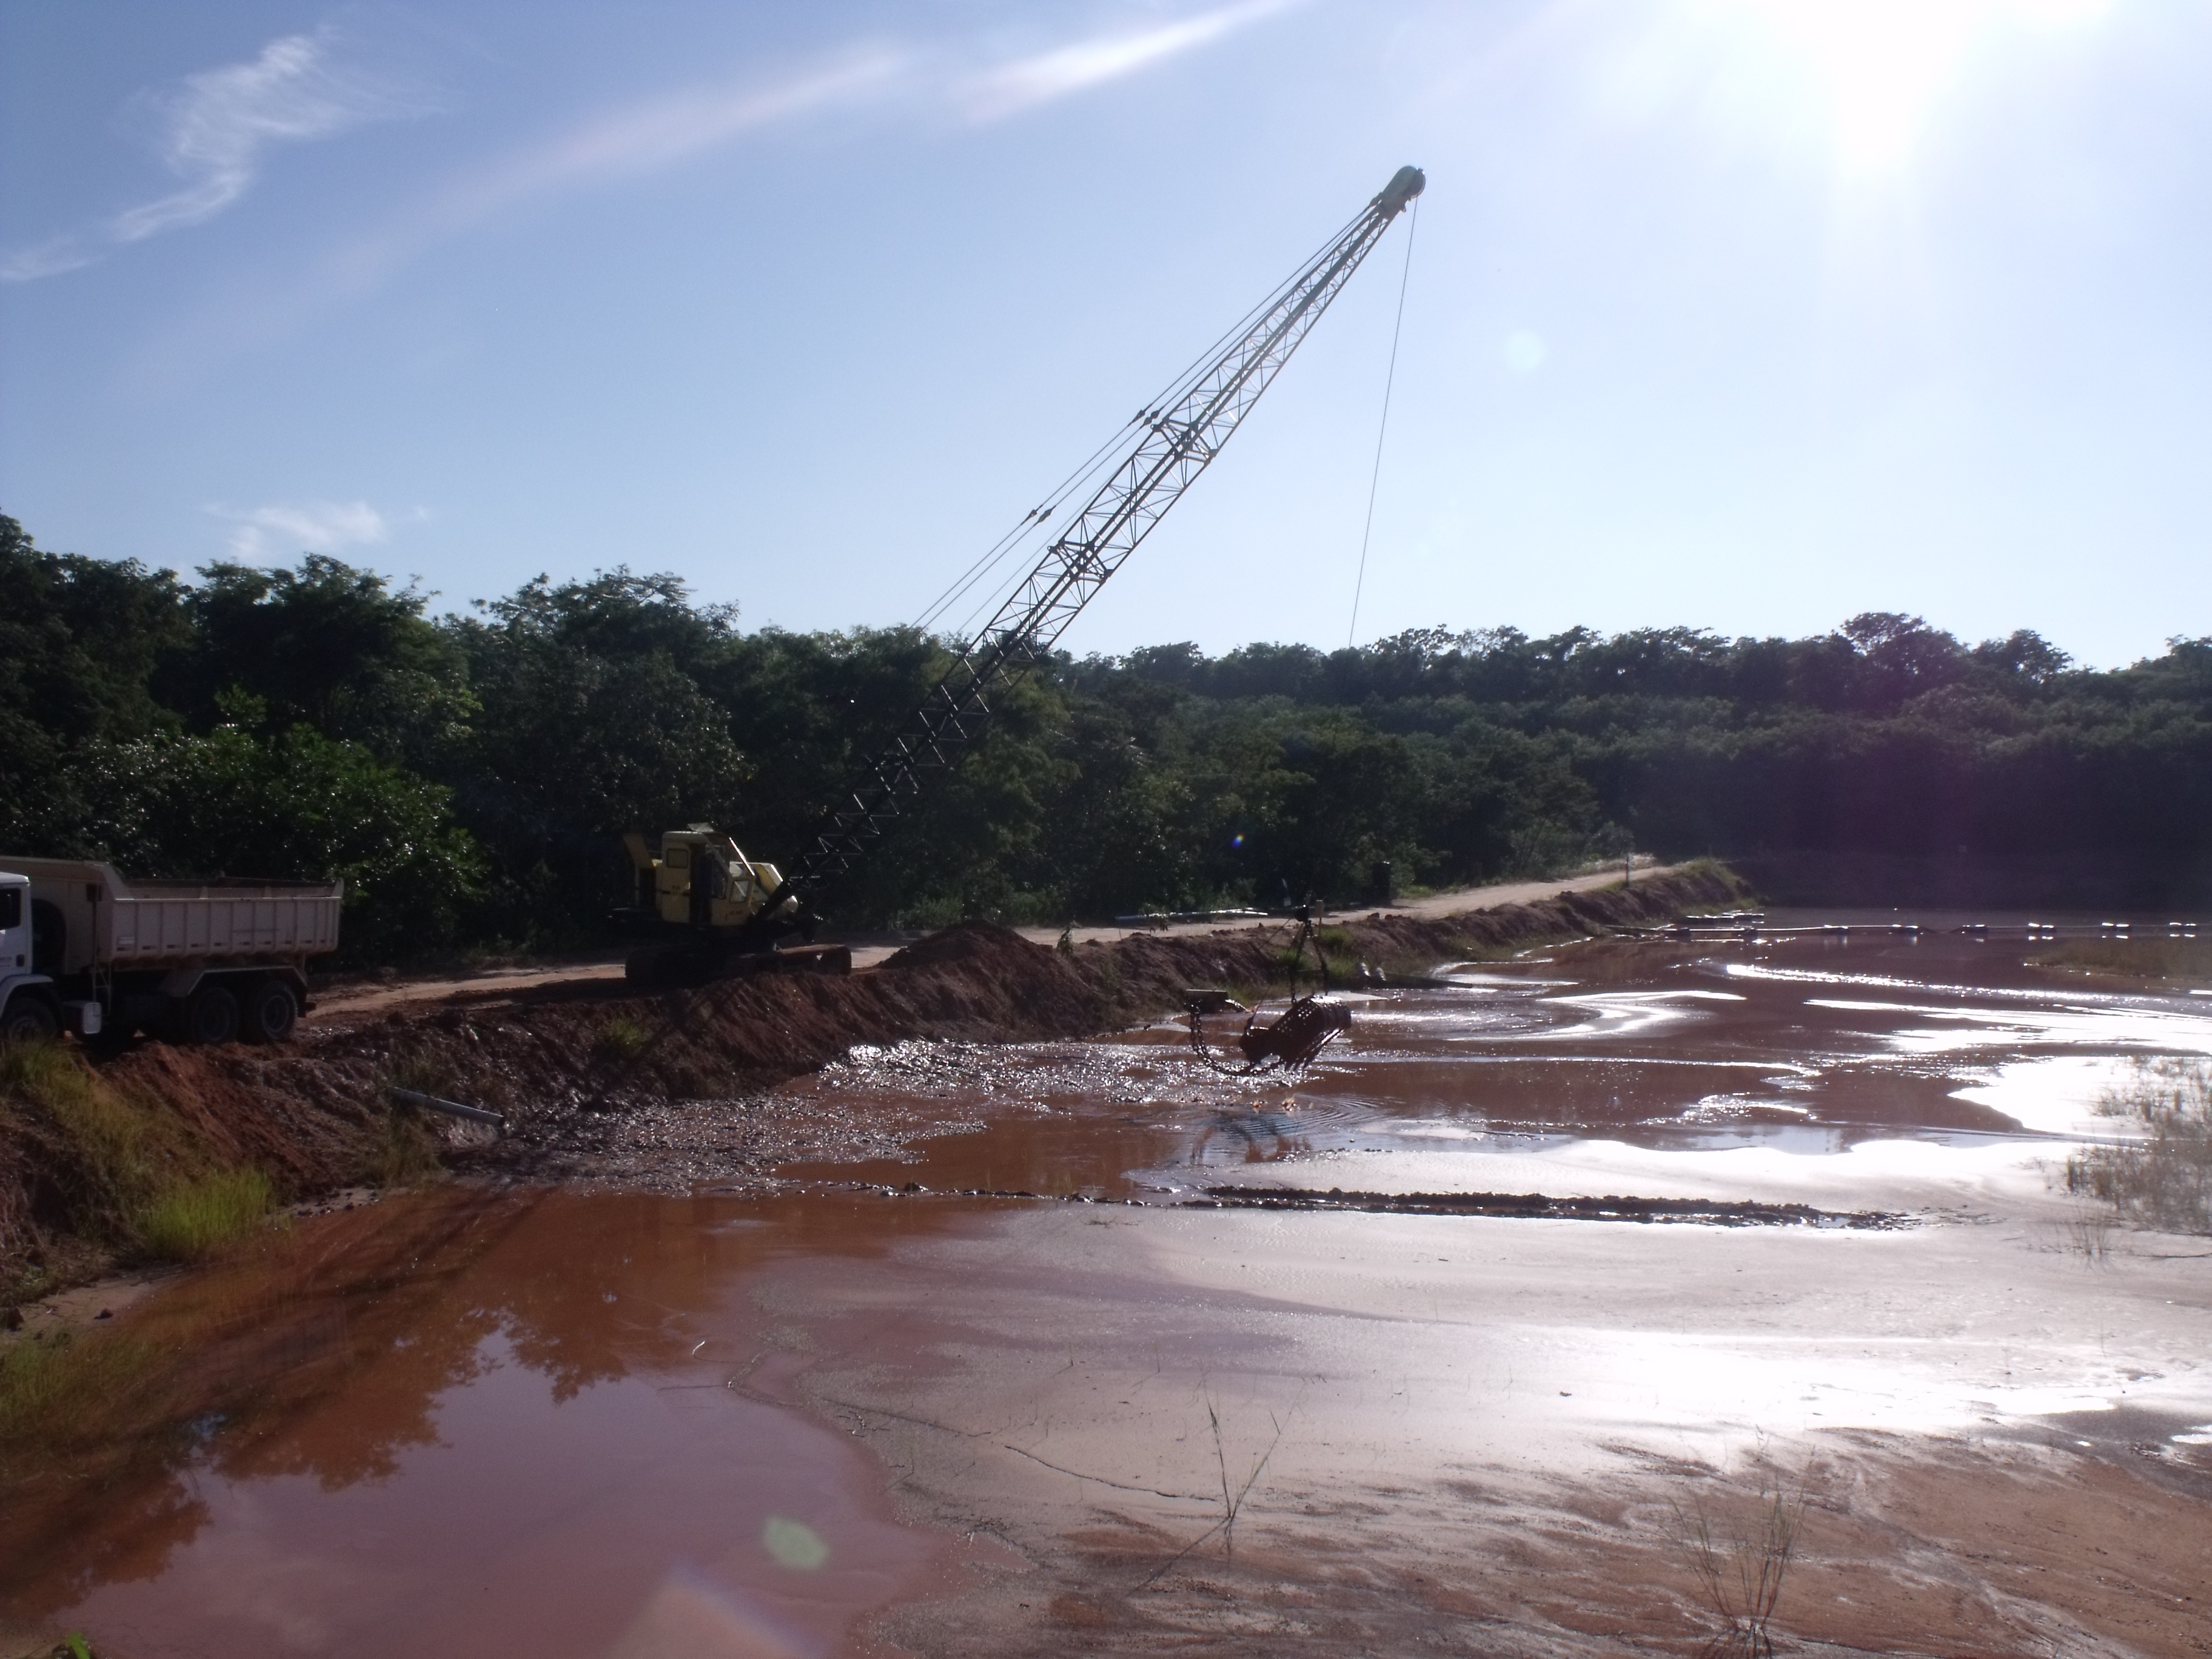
(730, 910)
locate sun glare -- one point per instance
(1884, 65)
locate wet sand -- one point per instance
(875, 1419)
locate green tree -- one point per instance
(592, 722)
(295, 806)
(80, 641)
(327, 646)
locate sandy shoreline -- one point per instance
(1476, 1430)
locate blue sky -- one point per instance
(1750, 314)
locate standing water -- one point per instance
(578, 1423)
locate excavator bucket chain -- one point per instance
(1306, 1027)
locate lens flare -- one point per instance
(1884, 66)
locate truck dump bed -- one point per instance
(118, 925)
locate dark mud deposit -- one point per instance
(1345, 1367)
(1536, 1207)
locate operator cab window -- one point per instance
(11, 908)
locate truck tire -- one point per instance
(29, 1018)
(271, 1011)
(211, 1016)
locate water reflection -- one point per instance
(1655, 1044)
(553, 1423)
(491, 1422)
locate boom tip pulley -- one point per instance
(1405, 185)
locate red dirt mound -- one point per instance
(663, 1087)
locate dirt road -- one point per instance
(356, 998)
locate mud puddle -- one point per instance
(615, 1425)
(1799, 1048)
(549, 1424)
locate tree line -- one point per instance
(469, 776)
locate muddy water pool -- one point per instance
(573, 1424)
(1808, 1046)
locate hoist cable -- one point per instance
(1391, 380)
(1179, 389)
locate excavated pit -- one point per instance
(1541, 1258)
(669, 1090)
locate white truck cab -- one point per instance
(28, 1006)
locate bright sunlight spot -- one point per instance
(1885, 65)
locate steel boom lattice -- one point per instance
(1176, 442)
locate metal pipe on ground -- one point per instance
(450, 1107)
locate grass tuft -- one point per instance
(114, 1153)
(195, 1219)
(126, 1171)
(621, 1037)
(417, 1069)
(2163, 1180)
(1739, 1568)
(2148, 961)
(47, 1385)
(409, 1150)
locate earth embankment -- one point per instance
(661, 1089)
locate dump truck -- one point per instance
(85, 950)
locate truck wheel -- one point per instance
(211, 1016)
(271, 1011)
(28, 1019)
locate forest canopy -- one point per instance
(470, 775)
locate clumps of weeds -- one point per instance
(121, 1169)
(2163, 1179)
(196, 1219)
(621, 1037)
(409, 1150)
(1741, 1562)
(1332, 947)
(47, 1385)
(417, 1070)
(2152, 962)
(2087, 1234)
(104, 1153)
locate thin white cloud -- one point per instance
(213, 129)
(1081, 64)
(643, 139)
(663, 132)
(280, 530)
(925, 84)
